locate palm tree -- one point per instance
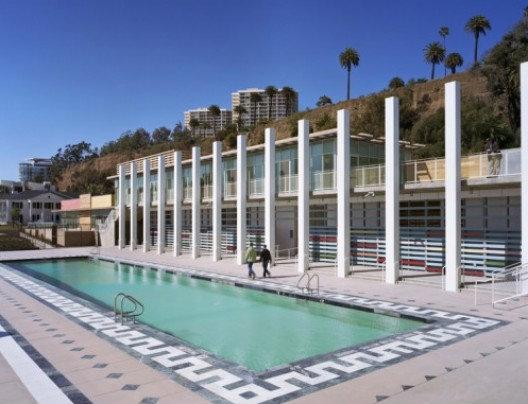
(204, 126)
(434, 53)
(348, 58)
(396, 82)
(254, 99)
(270, 91)
(214, 110)
(452, 61)
(477, 25)
(193, 124)
(289, 97)
(239, 110)
(324, 100)
(443, 32)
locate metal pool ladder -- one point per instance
(120, 312)
(309, 280)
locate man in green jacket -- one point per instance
(251, 257)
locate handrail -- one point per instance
(307, 285)
(314, 276)
(133, 313)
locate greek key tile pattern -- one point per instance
(222, 381)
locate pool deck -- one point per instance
(488, 367)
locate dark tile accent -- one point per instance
(51, 329)
(499, 348)
(381, 398)
(429, 377)
(59, 335)
(68, 341)
(78, 349)
(484, 354)
(406, 387)
(100, 365)
(149, 400)
(468, 360)
(114, 375)
(87, 356)
(130, 387)
(450, 369)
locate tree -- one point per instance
(290, 97)
(239, 110)
(349, 58)
(477, 25)
(444, 32)
(193, 124)
(323, 100)
(204, 126)
(271, 92)
(452, 61)
(161, 135)
(215, 112)
(15, 215)
(501, 68)
(434, 53)
(396, 82)
(177, 133)
(254, 99)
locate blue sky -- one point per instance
(90, 70)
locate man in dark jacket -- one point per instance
(265, 259)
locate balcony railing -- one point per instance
(207, 192)
(187, 193)
(503, 164)
(287, 184)
(324, 181)
(230, 189)
(256, 187)
(169, 194)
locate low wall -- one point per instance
(46, 233)
(75, 238)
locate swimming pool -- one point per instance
(255, 329)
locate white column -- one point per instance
(524, 169)
(146, 205)
(196, 196)
(133, 206)
(392, 189)
(122, 207)
(452, 186)
(241, 198)
(303, 196)
(217, 201)
(161, 204)
(343, 193)
(177, 213)
(269, 190)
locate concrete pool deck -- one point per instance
(488, 367)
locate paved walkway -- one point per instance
(490, 367)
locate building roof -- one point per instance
(30, 194)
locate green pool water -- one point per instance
(256, 329)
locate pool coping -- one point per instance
(219, 380)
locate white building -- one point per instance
(33, 207)
(281, 105)
(202, 115)
(333, 196)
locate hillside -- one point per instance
(490, 108)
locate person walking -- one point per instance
(251, 257)
(265, 259)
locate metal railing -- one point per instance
(187, 193)
(510, 283)
(119, 307)
(306, 287)
(207, 191)
(286, 253)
